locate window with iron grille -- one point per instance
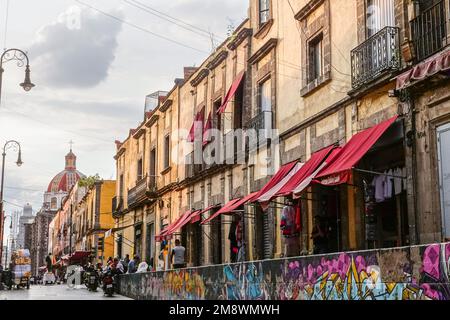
(380, 14)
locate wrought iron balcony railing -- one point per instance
(376, 56)
(138, 193)
(429, 31)
(258, 130)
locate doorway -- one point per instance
(443, 141)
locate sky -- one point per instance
(93, 62)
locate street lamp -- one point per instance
(19, 56)
(8, 145)
(1, 237)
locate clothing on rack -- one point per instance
(389, 183)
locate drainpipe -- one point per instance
(411, 142)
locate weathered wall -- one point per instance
(406, 273)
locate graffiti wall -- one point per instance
(408, 273)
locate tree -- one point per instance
(88, 181)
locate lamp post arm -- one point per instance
(9, 55)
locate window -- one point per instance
(53, 203)
(380, 14)
(265, 96)
(264, 11)
(166, 151)
(121, 186)
(153, 168)
(315, 58)
(217, 118)
(139, 169)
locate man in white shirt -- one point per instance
(177, 255)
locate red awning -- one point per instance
(177, 225)
(278, 181)
(207, 130)
(440, 62)
(231, 92)
(198, 216)
(231, 206)
(338, 170)
(284, 170)
(307, 173)
(197, 126)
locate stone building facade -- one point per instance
(322, 74)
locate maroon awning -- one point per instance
(79, 255)
(440, 62)
(307, 173)
(231, 206)
(198, 215)
(231, 92)
(178, 224)
(197, 125)
(338, 170)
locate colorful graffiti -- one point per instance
(409, 273)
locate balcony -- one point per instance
(258, 130)
(429, 31)
(138, 194)
(377, 56)
(117, 207)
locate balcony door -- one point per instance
(380, 14)
(443, 139)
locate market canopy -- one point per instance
(303, 177)
(231, 206)
(231, 92)
(338, 170)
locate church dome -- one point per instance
(67, 178)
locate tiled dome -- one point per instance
(67, 178)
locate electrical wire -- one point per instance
(6, 24)
(140, 28)
(187, 26)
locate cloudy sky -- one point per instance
(93, 63)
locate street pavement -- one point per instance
(56, 292)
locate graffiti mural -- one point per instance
(408, 273)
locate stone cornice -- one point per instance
(258, 55)
(199, 77)
(217, 60)
(239, 38)
(166, 105)
(308, 8)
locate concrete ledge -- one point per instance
(406, 273)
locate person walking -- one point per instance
(133, 264)
(177, 255)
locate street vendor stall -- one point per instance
(19, 273)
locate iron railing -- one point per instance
(137, 193)
(258, 130)
(374, 57)
(429, 31)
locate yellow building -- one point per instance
(93, 218)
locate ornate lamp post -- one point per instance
(8, 145)
(1, 237)
(21, 57)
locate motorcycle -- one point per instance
(91, 279)
(108, 282)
